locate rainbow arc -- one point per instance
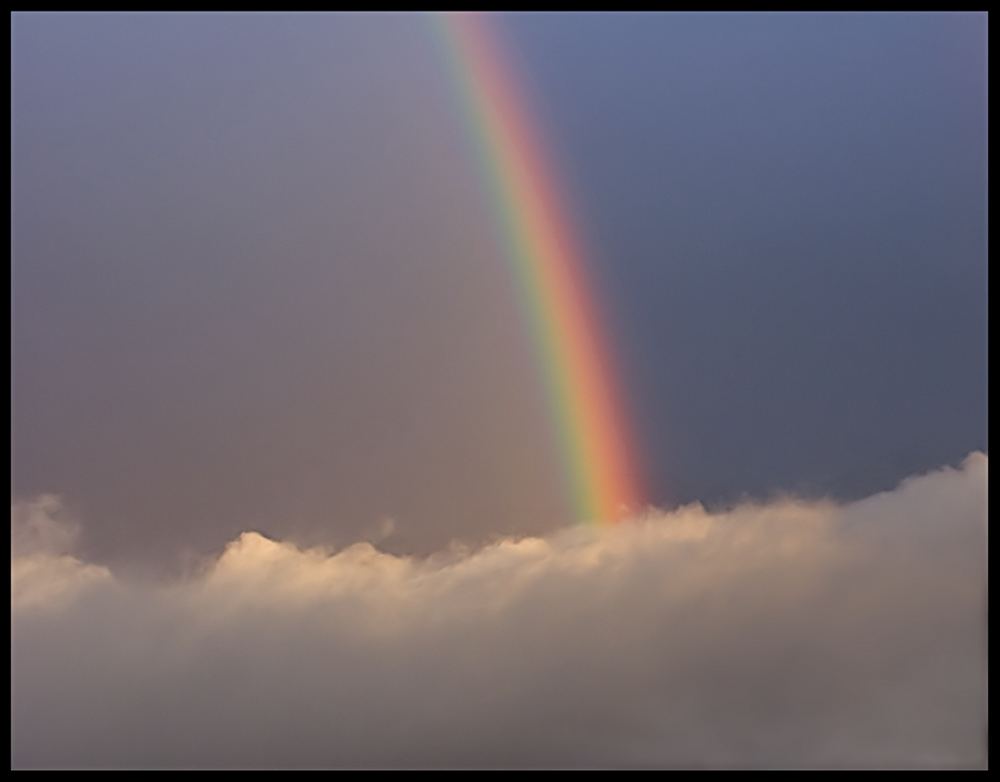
(573, 353)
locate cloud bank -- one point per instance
(786, 634)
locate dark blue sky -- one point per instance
(790, 212)
(254, 283)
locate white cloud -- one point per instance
(784, 634)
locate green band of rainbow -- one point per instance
(593, 437)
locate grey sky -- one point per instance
(256, 284)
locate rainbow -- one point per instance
(550, 274)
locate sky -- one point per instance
(281, 429)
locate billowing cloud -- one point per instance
(786, 634)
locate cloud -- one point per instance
(786, 634)
(41, 526)
(43, 574)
